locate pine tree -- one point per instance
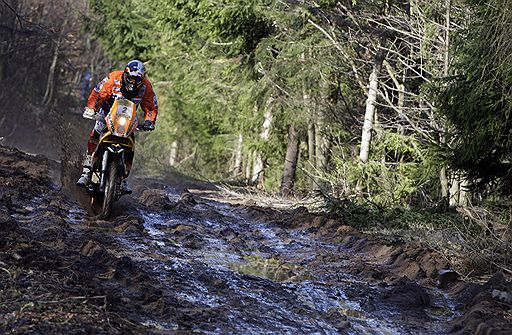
(477, 99)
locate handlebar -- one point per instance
(141, 128)
(99, 117)
(95, 117)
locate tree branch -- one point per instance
(343, 53)
(15, 13)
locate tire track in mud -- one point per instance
(263, 275)
(181, 263)
(201, 276)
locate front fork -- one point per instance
(104, 167)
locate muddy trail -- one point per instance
(198, 261)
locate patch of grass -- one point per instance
(369, 215)
(272, 268)
(477, 241)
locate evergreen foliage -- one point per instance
(477, 100)
(219, 66)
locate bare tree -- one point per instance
(370, 107)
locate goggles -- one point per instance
(134, 80)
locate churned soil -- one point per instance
(181, 257)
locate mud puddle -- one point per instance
(242, 275)
(270, 279)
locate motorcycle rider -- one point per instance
(130, 84)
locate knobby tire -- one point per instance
(110, 190)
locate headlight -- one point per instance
(122, 121)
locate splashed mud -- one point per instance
(181, 262)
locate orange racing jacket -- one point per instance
(110, 88)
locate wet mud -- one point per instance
(183, 258)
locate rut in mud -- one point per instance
(174, 261)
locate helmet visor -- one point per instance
(134, 80)
(132, 83)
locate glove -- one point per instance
(89, 113)
(148, 125)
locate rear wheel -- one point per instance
(110, 190)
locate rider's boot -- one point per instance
(85, 178)
(125, 188)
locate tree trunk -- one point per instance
(458, 193)
(259, 163)
(366, 135)
(400, 87)
(50, 83)
(454, 192)
(443, 178)
(257, 170)
(8, 39)
(290, 161)
(237, 167)
(464, 194)
(444, 183)
(248, 166)
(448, 4)
(306, 103)
(321, 149)
(173, 154)
(311, 152)
(48, 94)
(379, 135)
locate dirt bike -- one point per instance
(109, 159)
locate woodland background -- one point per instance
(396, 104)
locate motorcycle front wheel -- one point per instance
(110, 190)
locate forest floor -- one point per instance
(181, 257)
